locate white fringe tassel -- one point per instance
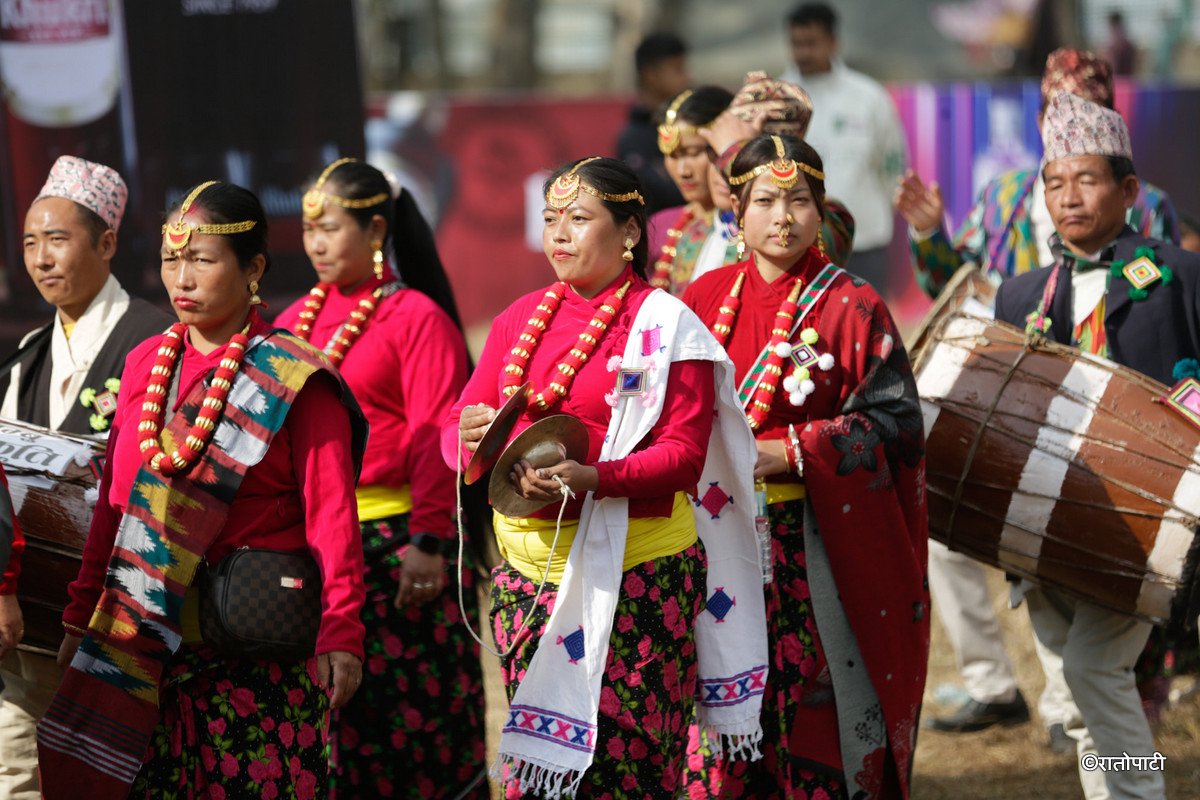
(537, 779)
(735, 746)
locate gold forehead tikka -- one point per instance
(178, 233)
(314, 200)
(566, 188)
(671, 133)
(785, 173)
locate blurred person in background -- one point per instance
(828, 390)
(703, 235)
(416, 726)
(66, 378)
(1120, 51)
(1189, 230)
(1007, 231)
(856, 129)
(662, 73)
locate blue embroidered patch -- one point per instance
(631, 381)
(719, 604)
(574, 644)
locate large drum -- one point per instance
(1060, 467)
(52, 478)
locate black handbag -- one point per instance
(261, 604)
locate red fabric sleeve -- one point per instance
(433, 367)
(319, 427)
(12, 570)
(673, 457)
(481, 388)
(84, 591)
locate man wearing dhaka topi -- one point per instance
(1117, 294)
(66, 378)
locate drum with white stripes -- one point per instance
(1060, 467)
(52, 478)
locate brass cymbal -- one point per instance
(543, 444)
(493, 441)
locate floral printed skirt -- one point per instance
(648, 693)
(415, 727)
(236, 729)
(796, 678)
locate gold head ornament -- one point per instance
(566, 188)
(177, 234)
(314, 200)
(785, 172)
(671, 133)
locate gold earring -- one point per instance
(628, 254)
(741, 241)
(255, 300)
(821, 243)
(377, 259)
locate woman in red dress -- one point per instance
(416, 727)
(608, 621)
(828, 390)
(259, 452)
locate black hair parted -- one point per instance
(226, 203)
(407, 231)
(613, 177)
(761, 150)
(701, 107)
(814, 14)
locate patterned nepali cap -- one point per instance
(788, 107)
(1073, 126)
(93, 186)
(1079, 72)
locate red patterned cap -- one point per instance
(1079, 72)
(92, 185)
(788, 107)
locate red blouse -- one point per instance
(752, 330)
(671, 456)
(301, 495)
(405, 370)
(12, 570)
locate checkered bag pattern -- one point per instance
(261, 604)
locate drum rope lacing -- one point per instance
(1035, 341)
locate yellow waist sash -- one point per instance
(785, 492)
(380, 502)
(525, 541)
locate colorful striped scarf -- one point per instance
(99, 724)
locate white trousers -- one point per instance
(959, 585)
(30, 683)
(1098, 649)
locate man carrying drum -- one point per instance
(1122, 296)
(66, 377)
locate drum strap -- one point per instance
(816, 290)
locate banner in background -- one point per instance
(261, 93)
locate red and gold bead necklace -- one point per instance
(781, 332)
(348, 332)
(518, 358)
(154, 406)
(665, 262)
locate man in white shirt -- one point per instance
(856, 130)
(66, 377)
